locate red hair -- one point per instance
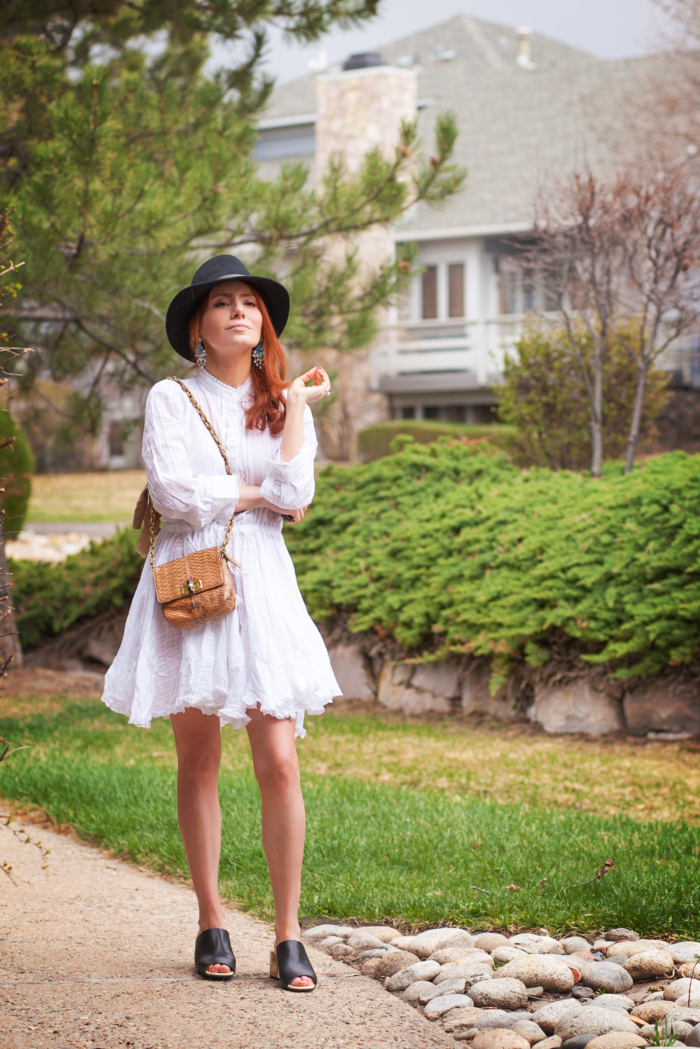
(269, 407)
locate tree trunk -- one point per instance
(10, 648)
(597, 409)
(636, 417)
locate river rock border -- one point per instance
(664, 709)
(511, 992)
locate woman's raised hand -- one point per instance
(299, 391)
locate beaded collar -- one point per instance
(234, 393)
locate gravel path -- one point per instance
(97, 954)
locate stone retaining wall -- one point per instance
(658, 709)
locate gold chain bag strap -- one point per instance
(198, 587)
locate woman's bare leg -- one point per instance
(198, 745)
(283, 818)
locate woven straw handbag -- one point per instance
(198, 587)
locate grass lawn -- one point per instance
(87, 497)
(405, 817)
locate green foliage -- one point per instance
(544, 397)
(375, 441)
(49, 598)
(373, 851)
(123, 173)
(452, 546)
(16, 468)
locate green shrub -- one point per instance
(49, 598)
(375, 442)
(544, 398)
(16, 468)
(455, 544)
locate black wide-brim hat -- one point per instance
(212, 272)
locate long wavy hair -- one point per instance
(269, 407)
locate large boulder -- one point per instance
(684, 991)
(617, 1040)
(442, 679)
(638, 946)
(461, 1018)
(576, 707)
(443, 1003)
(652, 1011)
(405, 977)
(537, 970)
(352, 672)
(529, 1030)
(649, 965)
(662, 706)
(606, 976)
(396, 691)
(503, 994)
(590, 1020)
(392, 962)
(548, 1016)
(499, 1038)
(488, 941)
(420, 991)
(363, 940)
(686, 951)
(473, 972)
(571, 944)
(478, 699)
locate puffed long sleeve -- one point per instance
(292, 485)
(179, 491)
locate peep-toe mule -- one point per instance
(213, 947)
(289, 960)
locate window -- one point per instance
(408, 413)
(431, 413)
(455, 282)
(507, 292)
(429, 298)
(116, 438)
(528, 291)
(274, 143)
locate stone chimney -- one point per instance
(361, 107)
(358, 109)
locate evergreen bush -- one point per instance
(49, 598)
(16, 469)
(452, 549)
(375, 441)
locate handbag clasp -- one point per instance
(192, 586)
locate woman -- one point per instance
(264, 665)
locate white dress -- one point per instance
(268, 652)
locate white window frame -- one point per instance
(443, 289)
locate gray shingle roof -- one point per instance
(517, 126)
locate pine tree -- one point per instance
(122, 172)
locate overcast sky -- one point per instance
(607, 28)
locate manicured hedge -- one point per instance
(49, 598)
(452, 549)
(454, 543)
(375, 441)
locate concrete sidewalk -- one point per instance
(97, 954)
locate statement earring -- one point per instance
(258, 355)
(200, 354)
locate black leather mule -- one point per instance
(213, 947)
(288, 961)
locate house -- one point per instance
(529, 109)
